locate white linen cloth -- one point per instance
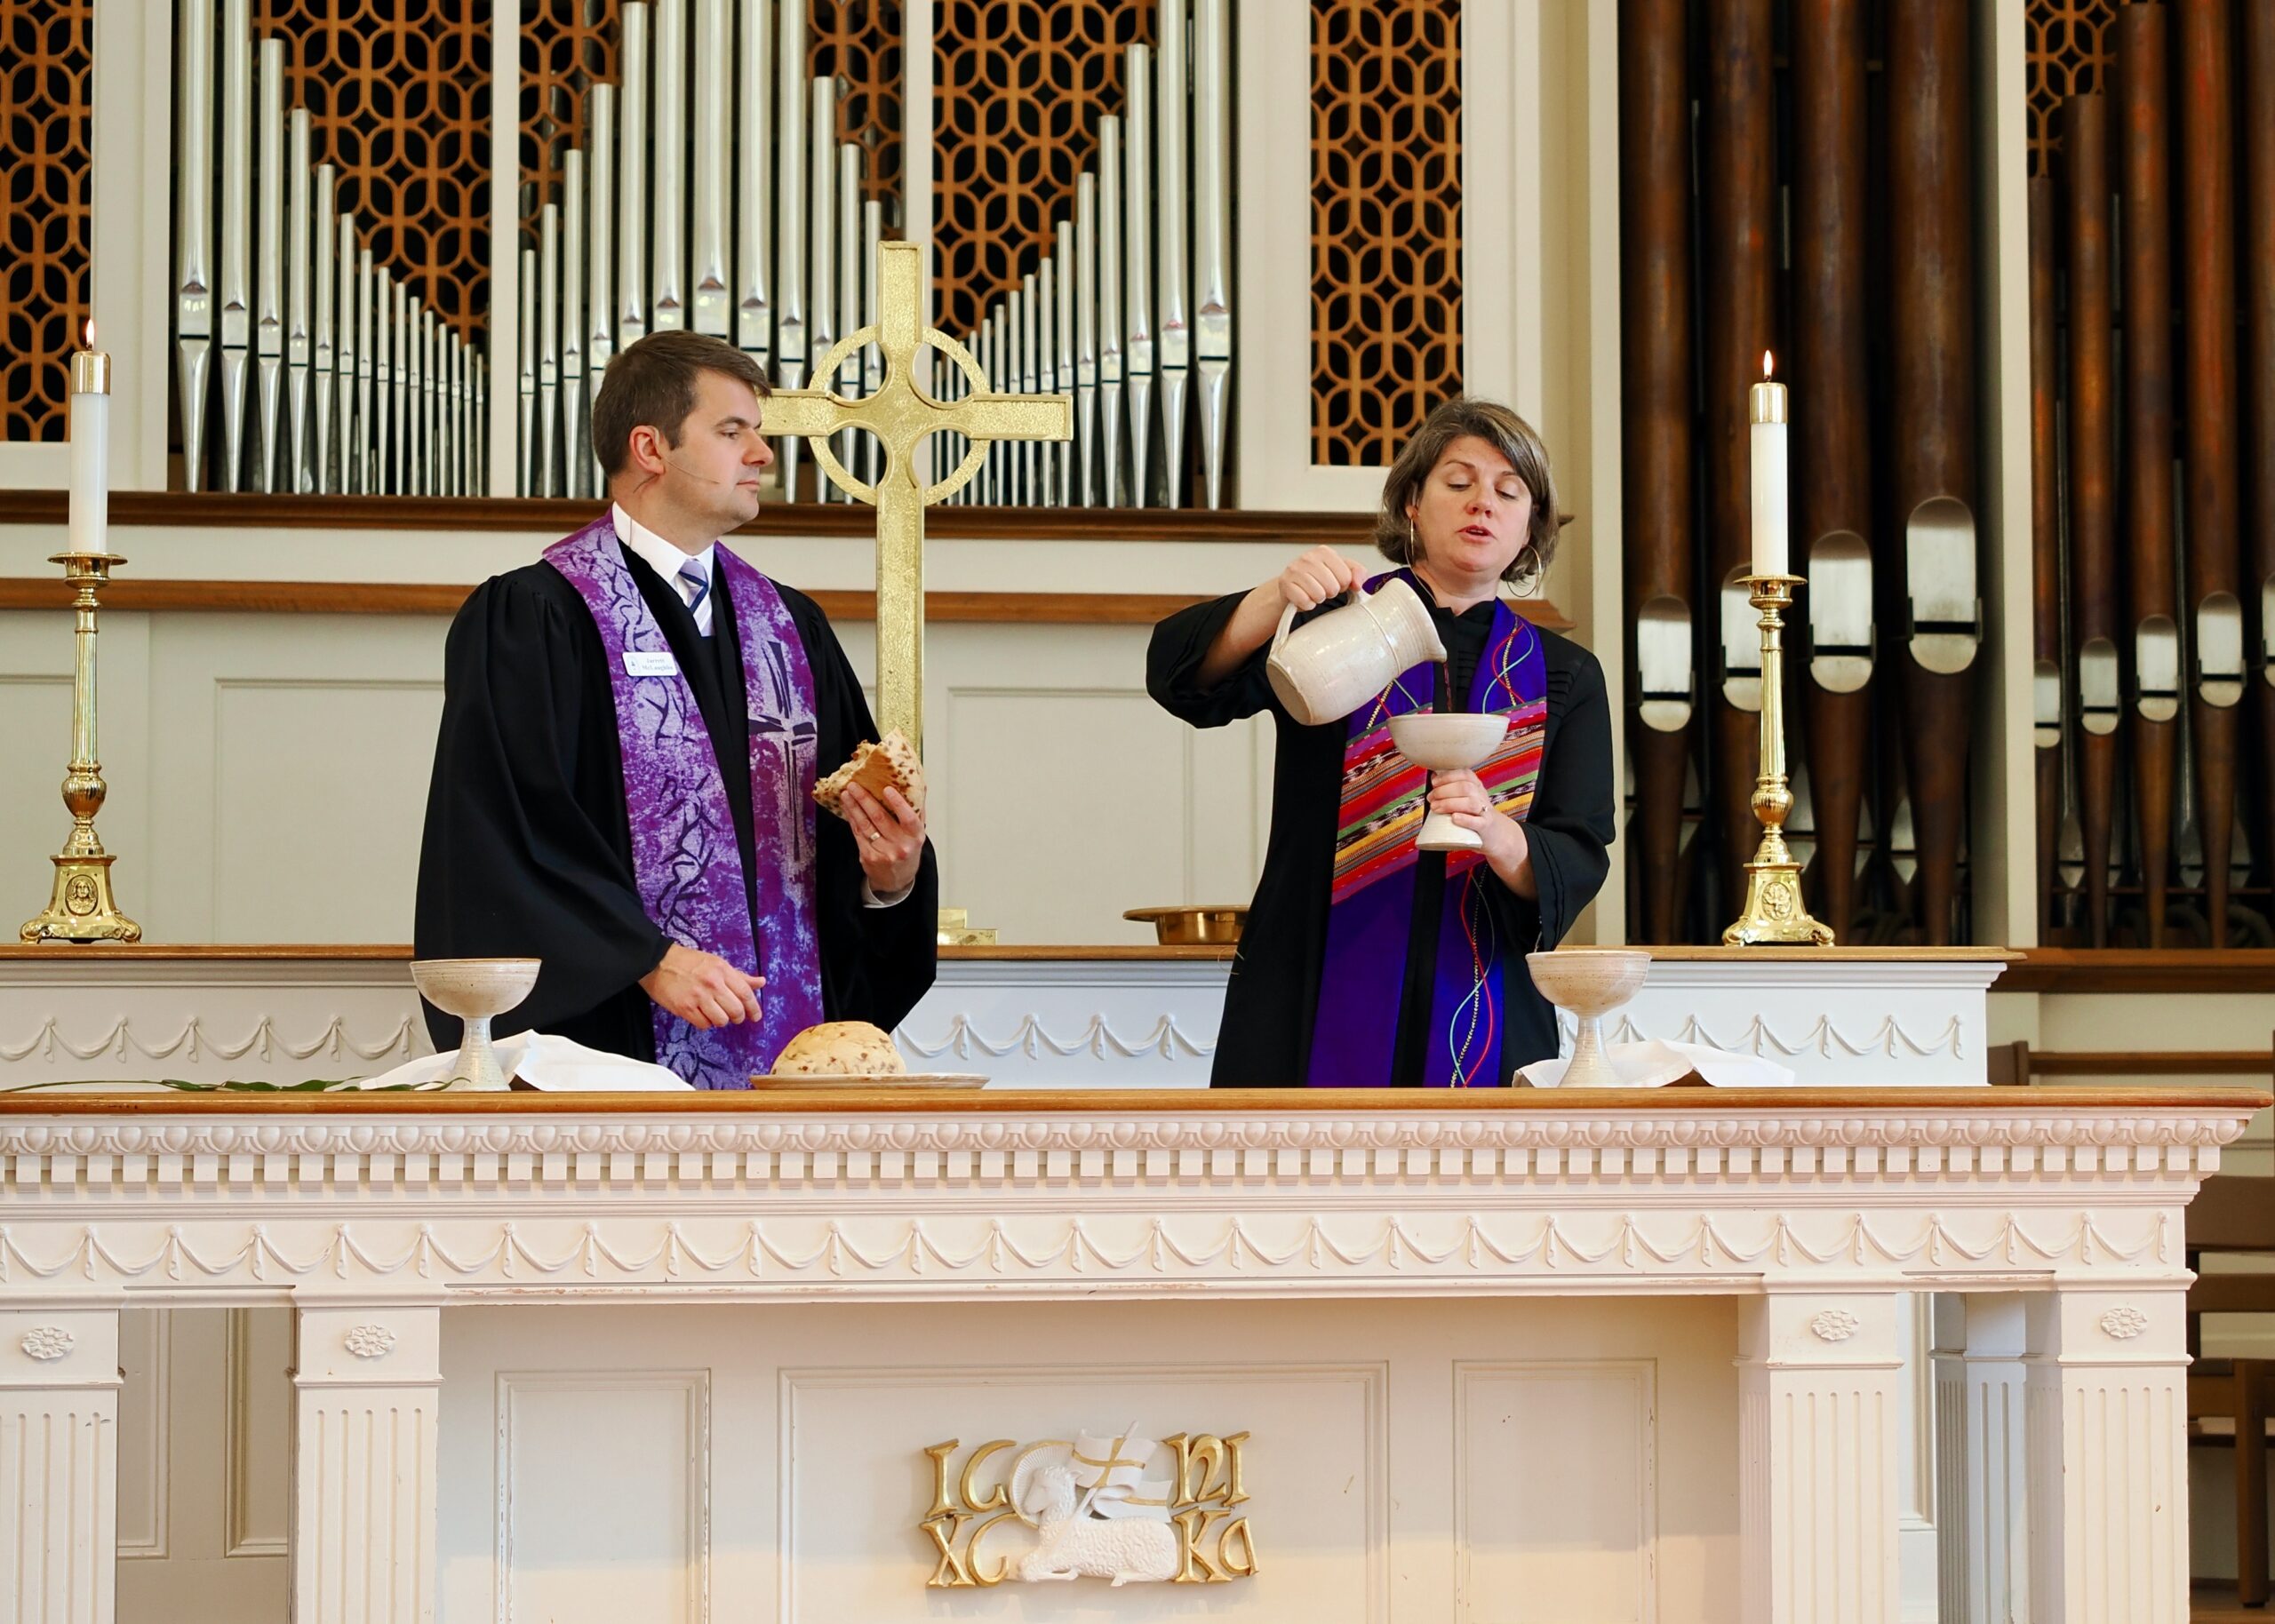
(557, 1065)
(1658, 1061)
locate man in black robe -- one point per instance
(529, 839)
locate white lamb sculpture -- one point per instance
(1126, 1550)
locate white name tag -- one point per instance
(646, 663)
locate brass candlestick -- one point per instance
(82, 909)
(1773, 915)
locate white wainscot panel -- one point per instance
(855, 1485)
(603, 1511)
(1070, 1025)
(1538, 1542)
(319, 845)
(258, 1445)
(145, 1412)
(1839, 1018)
(1063, 794)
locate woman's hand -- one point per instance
(1317, 576)
(1461, 796)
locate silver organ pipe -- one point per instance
(1109, 309)
(1063, 335)
(526, 460)
(1086, 333)
(1173, 331)
(383, 383)
(791, 338)
(576, 467)
(269, 279)
(236, 233)
(1047, 365)
(1212, 178)
(367, 338)
(668, 240)
(1030, 371)
(413, 383)
(849, 303)
(873, 358)
(600, 331)
(429, 434)
(298, 335)
(632, 185)
(821, 151)
(754, 182)
(1012, 356)
(1138, 246)
(348, 348)
(708, 270)
(194, 232)
(324, 348)
(542, 483)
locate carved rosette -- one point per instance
(47, 1343)
(1835, 1325)
(2124, 1324)
(369, 1341)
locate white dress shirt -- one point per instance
(665, 558)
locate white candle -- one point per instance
(90, 447)
(1772, 486)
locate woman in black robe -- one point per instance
(1469, 505)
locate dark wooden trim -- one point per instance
(2151, 1062)
(1057, 609)
(534, 516)
(418, 598)
(2110, 969)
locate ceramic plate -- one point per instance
(914, 1079)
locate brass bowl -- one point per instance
(1195, 924)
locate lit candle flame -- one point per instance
(91, 332)
(1768, 364)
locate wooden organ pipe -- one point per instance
(2208, 243)
(1832, 464)
(2050, 703)
(1655, 397)
(1930, 125)
(2258, 144)
(1737, 223)
(2093, 542)
(2152, 594)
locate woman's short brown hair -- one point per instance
(1507, 434)
(652, 382)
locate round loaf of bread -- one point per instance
(841, 1048)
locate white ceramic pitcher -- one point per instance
(1345, 658)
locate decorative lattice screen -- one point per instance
(1387, 318)
(47, 55)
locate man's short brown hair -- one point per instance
(652, 383)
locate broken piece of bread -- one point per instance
(841, 1048)
(874, 767)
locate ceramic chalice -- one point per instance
(474, 990)
(1444, 741)
(1591, 981)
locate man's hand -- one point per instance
(1508, 849)
(703, 988)
(891, 834)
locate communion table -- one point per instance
(572, 1357)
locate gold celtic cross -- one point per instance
(902, 416)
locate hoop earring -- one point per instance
(1413, 544)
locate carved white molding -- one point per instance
(1842, 1141)
(1891, 1038)
(1270, 1251)
(1166, 1040)
(2124, 1324)
(192, 1042)
(368, 1342)
(47, 1343)
(1833, 1325)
